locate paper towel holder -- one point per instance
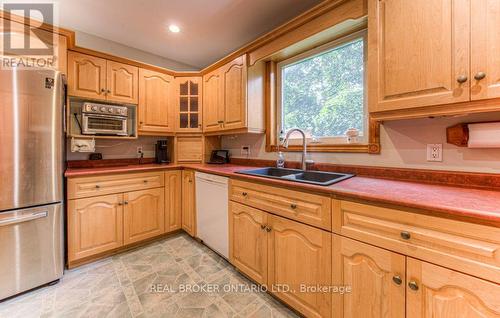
(459, 134)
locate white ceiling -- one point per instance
(210, 29)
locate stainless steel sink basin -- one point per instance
(312, 177)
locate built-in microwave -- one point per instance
(102, 119)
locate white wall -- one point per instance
(403, 145)
(96, 43)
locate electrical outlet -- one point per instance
(245, 151)
(435, 152)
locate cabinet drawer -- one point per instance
(467, 247)
(301, 206)
(99, 185)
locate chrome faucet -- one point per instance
(304, 144)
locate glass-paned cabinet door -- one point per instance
(189, 104)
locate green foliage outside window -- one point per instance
(323, 94)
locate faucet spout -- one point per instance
(304, 144)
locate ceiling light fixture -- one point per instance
(174, 28)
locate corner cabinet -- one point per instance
(156, 103)
(188, 101)
(227, 93)
(101, 79)
(450, 58)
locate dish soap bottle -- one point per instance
(280, 163)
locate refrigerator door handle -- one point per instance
(24, 218)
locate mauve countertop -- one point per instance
(475, 205)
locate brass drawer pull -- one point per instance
(262, 226)
(268, 229)
(293, 206)
(97, 186)
(119, 203)
(405, 235)
(145, 181)
(413, 285)
(244, 194)
(462, 79)
(125, 202)
(479, 76)
(397, 279)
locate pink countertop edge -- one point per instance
(476, 205)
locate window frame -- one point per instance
(328, 141)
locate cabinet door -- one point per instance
(376, 277)
(189, 108)
(418, 53)
(213, 114)
(156, 107)
(485, 58)
(86, 76)
(188, 203)
(235, 108)
(248, 241)
(94, 225)
(438, 292)
(173, 197)
(143, 214)
(122, 82)
(300, 258)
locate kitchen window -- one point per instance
(322, 92)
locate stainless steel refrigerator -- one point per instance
(31, 178)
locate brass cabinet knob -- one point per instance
(397, 279)
(103, 90)
(479, 76)
(268, 229)
(262, 226)
(97, 186)
(108, 91)
(244, 194)
(413, 285)
(119, 203)
(145, 181)
(293, 206)
(125, 202)
(405, 235)
(462, 79)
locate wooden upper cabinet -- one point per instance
(86, 76)
(235, 82)
(95, 225)
(173, 197)
(213, 107)
(122, 82)
(156, 107)
(188, 202)
(418, 53)
(300, 256)
(248, 241)
(377, 280)
(485, 60)
(189, 104)
(437, 292)
(143, 214)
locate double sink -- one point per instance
(311, 177)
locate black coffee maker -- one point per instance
(161, 151)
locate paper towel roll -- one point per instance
(485, 135)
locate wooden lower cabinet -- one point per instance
(300, 256)
(248, 241)
(173, 200)
(143, 214)
(375, 276)
(188, 202)
(438, 292)
(288, 257)
(95, 225)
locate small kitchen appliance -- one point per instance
(219, 157)
(103, 119)
(161, 151)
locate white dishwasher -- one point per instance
(212, 212)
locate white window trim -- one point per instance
(337, 140)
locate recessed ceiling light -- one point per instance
(174, 28)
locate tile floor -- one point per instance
(151, 281)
